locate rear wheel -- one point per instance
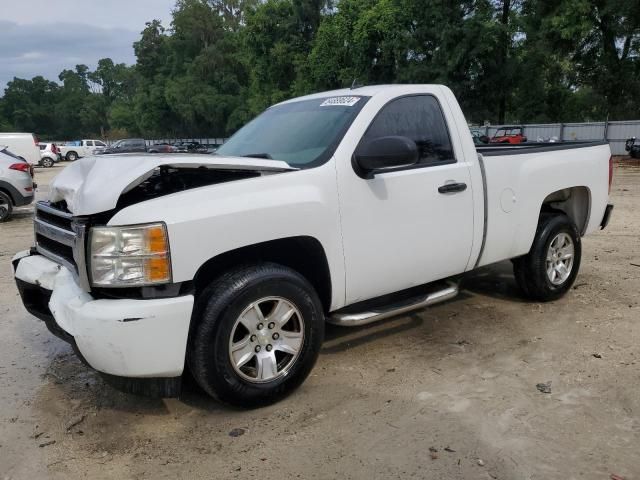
(6, 207)
(257, 334)
(72, 156)
(47, 162)
(548, 271)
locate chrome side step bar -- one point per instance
(373, 315)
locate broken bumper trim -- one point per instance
(139, 345)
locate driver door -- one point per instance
(399, 230)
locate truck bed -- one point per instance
(495, 149)
(518, 179)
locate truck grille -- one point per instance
(60, 238)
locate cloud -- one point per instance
(47, 48)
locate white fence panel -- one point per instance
(615, 132)
(619, 132)
(584, 131)
(544, 131)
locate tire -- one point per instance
(221, 312)
(47, 162)
(6, 207)
(71, 156)
(547, 272)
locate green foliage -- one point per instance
(220, 62)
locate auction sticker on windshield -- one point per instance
(340, 101)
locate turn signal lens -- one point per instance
(156, 239)
(157, 270)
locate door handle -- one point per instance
(452, 187)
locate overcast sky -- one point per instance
(43, 37)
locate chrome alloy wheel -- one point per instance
(266, 339)
(560, 258)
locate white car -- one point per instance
(23, 145)
(16, 183)
(49, 154)
(347, 206)
(71, 151)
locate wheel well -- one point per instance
(302, 254)
(8, 193)
(575, 202)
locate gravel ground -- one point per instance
(449, 392)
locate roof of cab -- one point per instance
(366, 91)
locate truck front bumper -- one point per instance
(135, 339)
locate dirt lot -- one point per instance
(448, 392)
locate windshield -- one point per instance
(303, 133)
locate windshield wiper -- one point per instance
(259, 155)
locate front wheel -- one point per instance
(47, 162)
(256, 336)
(548, 271)
(72, 156)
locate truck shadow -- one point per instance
(495, 281)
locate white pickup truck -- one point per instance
(81, 148)
(347, 206)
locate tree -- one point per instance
(602, 40)
(220, 62)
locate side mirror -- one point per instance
(384, 153)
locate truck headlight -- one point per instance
(130, 256)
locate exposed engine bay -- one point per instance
(166, 180)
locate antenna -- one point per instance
(355, 84)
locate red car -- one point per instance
(509, 135)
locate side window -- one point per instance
(89, 143)
(100, 144)
(419, 118)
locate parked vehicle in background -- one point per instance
(162, 148)
(126, 145)
(479, 137)
(16, 183)
(348, 206)
(513, 135)
(632, 147)
(72, 151)
(186, 147)
(23, 145)
(205, 148)
(209, 148)
(49, 154)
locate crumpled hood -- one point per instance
(94, 184)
